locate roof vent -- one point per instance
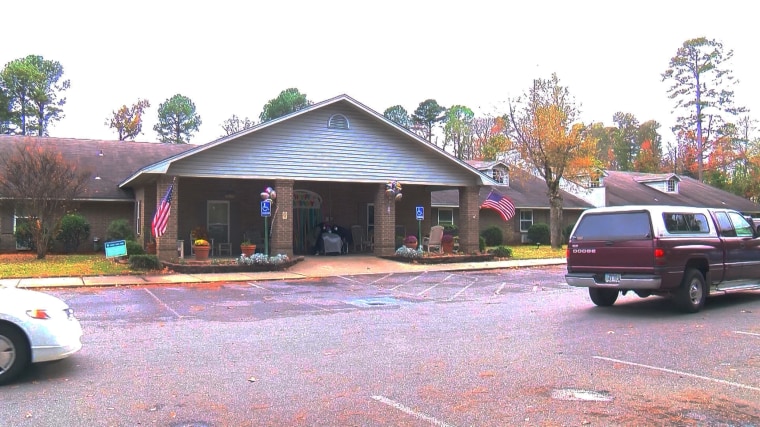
(337, 121)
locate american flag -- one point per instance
(502, 204)
(161, 218)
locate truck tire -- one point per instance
(690, 296)
(603, 297)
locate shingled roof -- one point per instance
(525, 191)
(109, 162)
(630, 188)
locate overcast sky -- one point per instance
(231, 57)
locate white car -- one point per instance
(34, 327)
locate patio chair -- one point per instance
(433, 241)
(360, 241)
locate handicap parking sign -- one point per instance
(266, 207)
(420, 212)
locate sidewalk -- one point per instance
(310, 267)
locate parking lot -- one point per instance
(503, 347)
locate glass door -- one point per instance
(218, 214)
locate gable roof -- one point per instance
(630, 188)
(110, 162)
(300, 146)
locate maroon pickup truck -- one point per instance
(677, 251)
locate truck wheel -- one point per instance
(690, 296)
(603, 297)
(14, 353)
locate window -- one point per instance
(500, 175)
(672, 187)
(23, 243)
(685, 223)
(337, 121)
(526, 220)
(138, 225)
(742, 227)
(445, 216)
(614, 226)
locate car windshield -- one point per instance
(614, 226)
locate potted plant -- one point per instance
(202, 249)
(151, 249)
(447, 243)
(410, 241)
(247, 248)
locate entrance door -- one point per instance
(218, 214)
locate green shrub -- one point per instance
(539, 233)
(134, 248)
(144, 262)
(119, 229)
(73, 232)
(566, 233)
(482, 244)
(502, 252)
(493, 236)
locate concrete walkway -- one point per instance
(309, 267)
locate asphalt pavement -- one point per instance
(308, 267)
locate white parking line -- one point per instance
(405, 283)
(410, 411)
(747, 333)
(179, 316)
(685, 374)
(460, 291)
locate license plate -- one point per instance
(611, 278)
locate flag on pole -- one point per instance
(502, 204)
(161, 218)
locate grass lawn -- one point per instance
(25, 264)
(531, 252)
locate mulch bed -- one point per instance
(442, 259)
(198, 267)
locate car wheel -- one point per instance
(603, 297)
(690, 296)
(14, 353)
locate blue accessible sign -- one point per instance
(266, 207)
(420, 211)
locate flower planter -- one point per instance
(151, 248)
(201, 253)
(448, 247)
(248, 250)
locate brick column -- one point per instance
(469, 219)
(385, 223)
(282, 219)
(166, 245)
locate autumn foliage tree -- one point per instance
(550, 142)
(235, 124)
(43, 187)
(128, 120)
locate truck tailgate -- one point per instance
(622, 256)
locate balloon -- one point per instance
(269, 189)
(398, 197)
(389, 192)
(272, 194)
(264, 195)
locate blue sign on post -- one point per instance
(420, 213)
(116, 248)
(266, 208)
